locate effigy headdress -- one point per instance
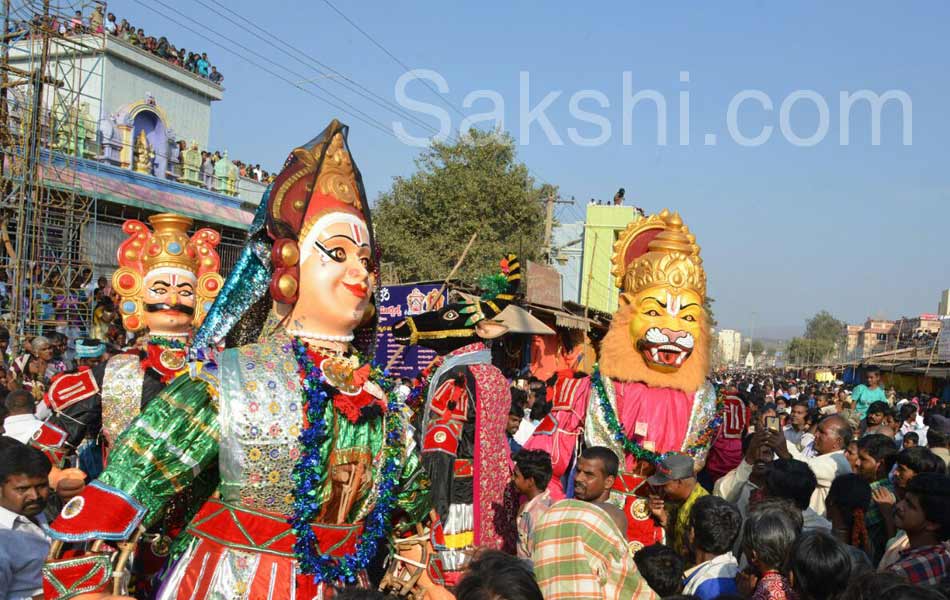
(658, 250)
(167, 247)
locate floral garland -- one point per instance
(417, 393)
(308, 480)
(630, 446)
(164, 342)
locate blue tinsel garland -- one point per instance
(308, 481)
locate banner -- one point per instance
(396, 302)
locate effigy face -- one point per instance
(666, 326)
(166, 280)
(169, 297)
(336, 280)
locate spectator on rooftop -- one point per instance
(95, 20)
(216, 76)
(202, 65)
(110, 24)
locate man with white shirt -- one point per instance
(796, 432)
(20, 423)
(739, 484)
(24, 489)
(794, 481)
(831, 439)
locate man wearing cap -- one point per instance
(677, 491)
(89, 352)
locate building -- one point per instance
(749, 360)
(567, 255)
(602, 227)
(114, 133)
(729, 342)
(943, 307)
(876, 335)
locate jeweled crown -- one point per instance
(655, 250)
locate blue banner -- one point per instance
(396, 302)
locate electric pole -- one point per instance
(549, 202)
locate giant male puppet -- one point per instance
(461, 423)
(315, 458)
(167, 281)
(649, 394)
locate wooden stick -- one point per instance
(458, 263)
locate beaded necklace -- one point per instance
(308, 480)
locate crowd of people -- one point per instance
(836, 493)
(97, 22)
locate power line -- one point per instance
(354, 112)
(391, 55)
(296, 54)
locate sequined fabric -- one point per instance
(261, 416)
(121, 394)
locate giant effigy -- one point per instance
(166, 281)
(312, 444)
(649, 394)
(460, 423)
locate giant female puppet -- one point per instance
(649, 395)
(312, 445)
(461, 424)
(166, 281)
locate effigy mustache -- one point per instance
(160, 306)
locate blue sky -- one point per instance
(785, 230)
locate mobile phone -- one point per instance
(772, 423)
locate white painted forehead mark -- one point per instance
(673, 304)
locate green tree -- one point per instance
(823, 334)
(757, 347)
(475, 185)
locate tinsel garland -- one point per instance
(308, 480)
(630, 446)
(162, 342)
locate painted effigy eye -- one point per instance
(450, 315)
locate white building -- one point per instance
(730, 345)
(943, 309)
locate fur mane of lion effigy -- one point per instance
(621, 361)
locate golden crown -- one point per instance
(658, 249)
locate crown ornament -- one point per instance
(166, 245)
(658, 250)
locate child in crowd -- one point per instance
(911, 440)
(531, 476)
(851, 453)
(924, 516)
(876, 456)
(662, 567)
(714, 526)
(820, 567)
(767, 538)
(910, 463)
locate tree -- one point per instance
(822, 335)
(475, 185)
(757, 347)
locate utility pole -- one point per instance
(549, 202)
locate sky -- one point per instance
(787, 228)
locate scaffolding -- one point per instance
(50, 97)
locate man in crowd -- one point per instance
(876, 456)
(794, 481)
(678, 490)
(714, 526)
(580, 551)
(24, 488)
(831, 439)
(20, 423)
(923, 515)
(531, 476)
(796, 432)
(738, 485)
(216, 76)
(863, 395)
(874, 417)
(910, 422)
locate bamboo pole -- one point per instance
(445, 283)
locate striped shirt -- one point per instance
(580, 553)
